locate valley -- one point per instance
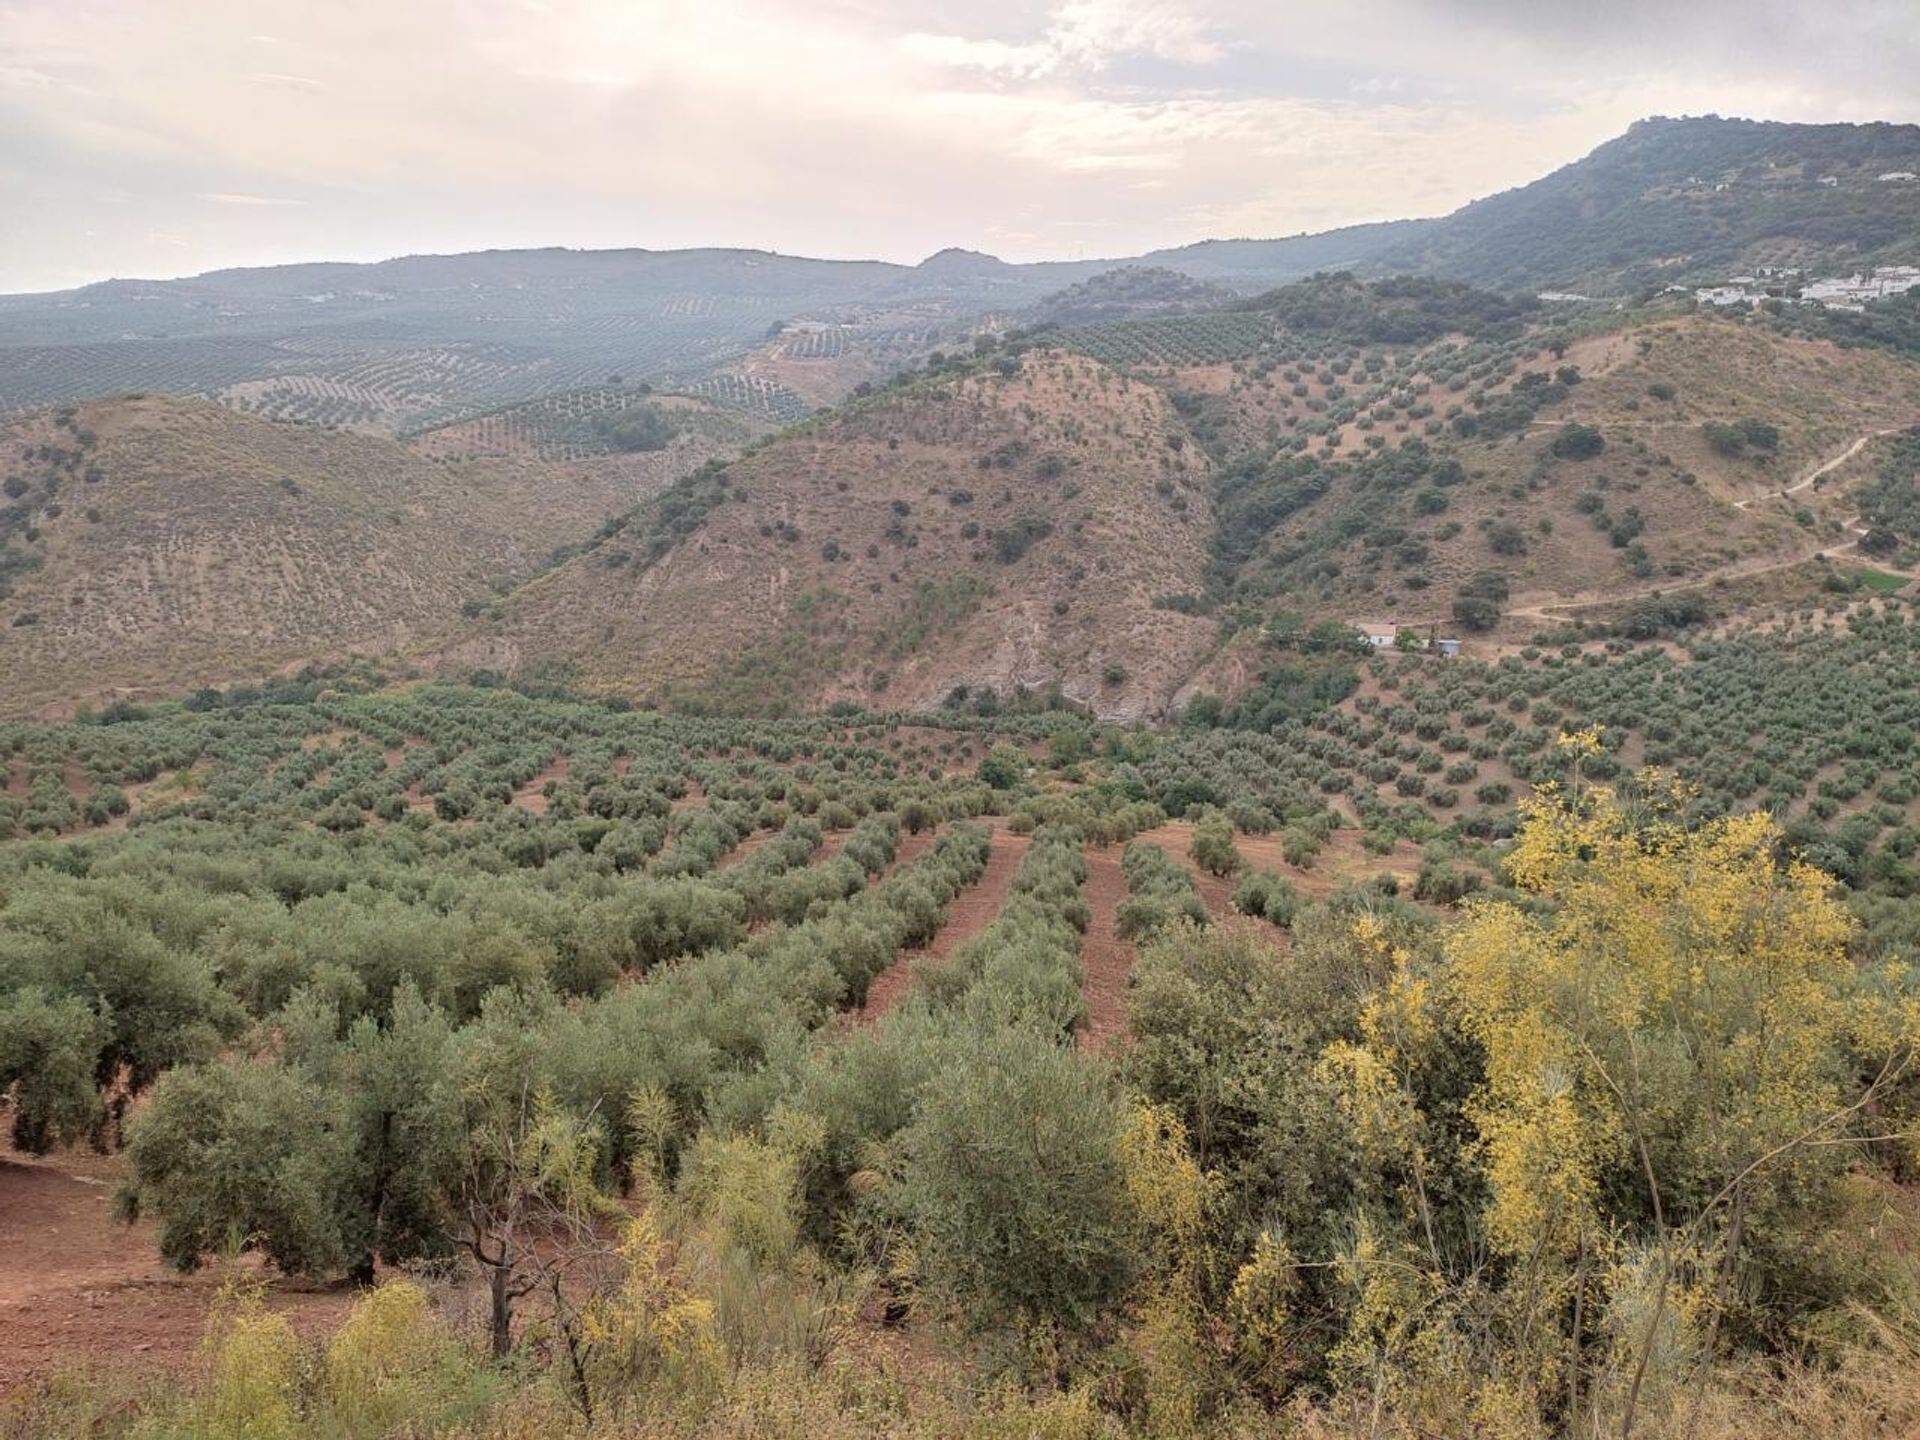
(1312, 836)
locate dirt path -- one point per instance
(1812, 477)
(1547, 610)
(1106, 960)
(78, 1288)
(972, 910)
(528, 796)
(910, 849)
(745, 848)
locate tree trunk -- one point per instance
(502, 1328)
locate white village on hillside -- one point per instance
(1849, 292)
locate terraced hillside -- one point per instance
(992, 529)
(157, 543)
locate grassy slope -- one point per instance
(216, 546)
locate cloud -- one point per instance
(292, 82)
(846, 127)
(1084, 35)
(220, 197)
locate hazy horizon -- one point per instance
(150, 141)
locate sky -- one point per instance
(156, 138)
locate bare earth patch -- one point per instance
(81, 1290)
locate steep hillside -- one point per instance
(1683, 199)
(155, 543)
(992, 529)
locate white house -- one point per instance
(1385, 635)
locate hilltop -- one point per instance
(153, 543)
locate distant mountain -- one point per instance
(408, 344)
(1685, 199)
(1258, 264)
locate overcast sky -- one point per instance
(165, 137)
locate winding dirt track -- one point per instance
(1548, 610)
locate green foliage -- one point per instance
(1212, 846)
(1577, 442)
(1010, 1181)
(1740, 437)
(1012, 540)
(1477, 603)
(1267, 896)
(641, 428)
(1890, 501)
(248, 1156)
(49, 1053)
(1002, 767)
(1159, 893)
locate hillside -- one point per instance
(1131, 292)
(1686, 199)
(992, 530)
(155, 543)
(1383, 447)
(1411, 453)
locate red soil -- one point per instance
(79, 1289)
(745, 848)
(528, 796)
(1106, 960)
(971, 912)
(910, 849)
